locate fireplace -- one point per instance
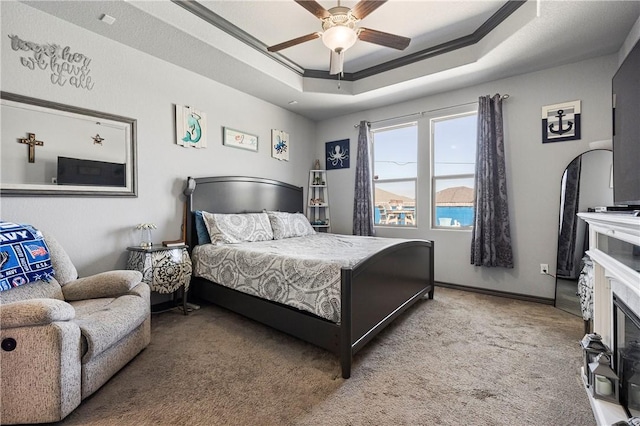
(614, 248)
(626, 354)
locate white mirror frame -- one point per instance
(126, 127)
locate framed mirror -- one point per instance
(54, 149)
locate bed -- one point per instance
(372, 292)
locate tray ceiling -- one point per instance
(535, 36)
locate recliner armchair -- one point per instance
(63, 339)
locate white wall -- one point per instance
(534, 170)
(96, 231)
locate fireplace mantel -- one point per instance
(612, 238)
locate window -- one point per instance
(453, 142)
(395, 171)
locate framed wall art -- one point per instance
(279, 145)
(561, 122)
(238, 139)
(337, 154)
(191, 127)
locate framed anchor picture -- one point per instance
(561, 122)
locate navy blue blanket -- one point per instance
(24, 255)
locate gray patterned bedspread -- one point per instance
(303, 272)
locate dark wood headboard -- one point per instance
(238, 194)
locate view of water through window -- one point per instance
(453, 169)
(395, 169)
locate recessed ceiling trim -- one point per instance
(489, 25)
(497, 18)
(219, 22)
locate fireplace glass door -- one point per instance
(627, 355)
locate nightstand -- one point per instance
(165, 269)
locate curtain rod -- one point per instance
(421, 113)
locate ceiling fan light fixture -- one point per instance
(339, 38)
(340, 31)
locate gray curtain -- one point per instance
(362, 203)
(491, 236)
(569, 221)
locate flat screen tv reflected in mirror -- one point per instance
(75, 171)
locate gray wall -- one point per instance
(96, 231)
(534, 170)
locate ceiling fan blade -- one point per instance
(383, 39)
(294, 42)
(365, 7)
(336, 63)
(315, 8)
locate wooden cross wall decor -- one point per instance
(32, 142)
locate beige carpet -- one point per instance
(460, 359)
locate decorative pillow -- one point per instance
(237, 228)
(24, 256)
(201, 228)
(287, 225)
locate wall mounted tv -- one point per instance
(75, 171)
(626, 130)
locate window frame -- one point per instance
(414, 180)
(451, 113)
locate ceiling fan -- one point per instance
(340, 31)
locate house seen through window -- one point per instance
(395, 171)
(453, 143)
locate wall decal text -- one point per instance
(66, 67)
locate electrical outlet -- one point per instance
(544, 269)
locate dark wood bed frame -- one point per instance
(373, 292)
